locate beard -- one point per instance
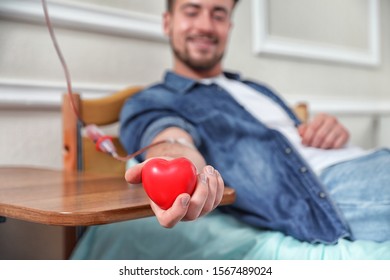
(197, 64)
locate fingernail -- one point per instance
(203, 178)
(210, 170)
(185, 201)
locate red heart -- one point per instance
(164, 180)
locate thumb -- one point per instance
(302, 129)
(133, 175)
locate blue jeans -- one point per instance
(360, 188)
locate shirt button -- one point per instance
(322, 195)
(288, 150)
(303, 169)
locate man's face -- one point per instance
(198, 31)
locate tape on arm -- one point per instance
(181, 141)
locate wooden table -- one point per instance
(55, 197)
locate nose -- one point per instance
(204, 22)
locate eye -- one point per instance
(191, 12)
(220, 16)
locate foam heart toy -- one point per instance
(164, 180)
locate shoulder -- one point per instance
(153, 98)
(154, 89)
(155, 94)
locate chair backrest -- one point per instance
(302, 111)
(79, 151)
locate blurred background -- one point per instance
(334, 55)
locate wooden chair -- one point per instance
(79, 152)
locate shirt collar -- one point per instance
(183, 84)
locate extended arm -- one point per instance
(209, 189)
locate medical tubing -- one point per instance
(103, 142)
(62, 60)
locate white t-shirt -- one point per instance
(272, 114)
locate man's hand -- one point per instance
(206, 197)
(324, 132)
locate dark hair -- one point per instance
(171, 2)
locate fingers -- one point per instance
(170, 217)
(220, 189)
(302, 129)
(341, 140)
(215, 186)
(334, 139)
(199, 198)
(208, 193)
(206, 197)
(309, 133)
(324, 132)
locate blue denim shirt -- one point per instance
(275, 187)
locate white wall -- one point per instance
(113, 44)
(292, 76)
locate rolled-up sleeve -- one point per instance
(159, 125)
(143, 117)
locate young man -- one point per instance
(301, 179)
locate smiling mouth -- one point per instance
(203, 40)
